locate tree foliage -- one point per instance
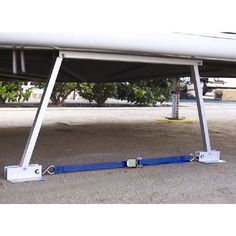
(60, 92)
(12, 92)
(97, 92)
(144, 93)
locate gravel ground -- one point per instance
(86, 135)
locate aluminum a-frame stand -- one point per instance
(33, 172)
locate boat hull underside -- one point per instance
(39, 63)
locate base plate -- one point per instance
(18, 174)
(175, 118)
(209, 157)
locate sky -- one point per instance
(117, 15)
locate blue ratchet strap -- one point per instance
(122, 164)
(88, 167)
(164, 160)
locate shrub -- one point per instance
(144, 93)
(60, 92)
(97, 92)
(12, 92)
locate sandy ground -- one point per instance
(87, 135)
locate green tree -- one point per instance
(60, 92)
(12, 92)
(144, 93)
(97, 92)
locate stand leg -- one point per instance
(208, 155)
(25, 172)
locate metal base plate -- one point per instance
(18, 174)
(173, 118)
(209, 157)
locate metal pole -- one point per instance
(14, 62)
(175, 104)
(29, 148)
(201, 110)
(175, 101)
(22, 59)
(175, 109)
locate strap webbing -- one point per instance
(89, 167)
(121, 164)
(164, 160)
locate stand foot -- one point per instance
(18, 174)
(175, 118)
(209, 157)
